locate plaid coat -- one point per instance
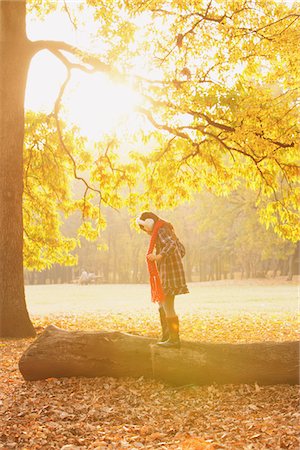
(170, 267)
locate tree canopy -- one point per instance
(218, 88)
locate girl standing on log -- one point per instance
(166, 272)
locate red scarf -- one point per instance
(157, 293)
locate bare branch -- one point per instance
(219, 125)
(279, 144)
(70, 65)
(171, 130)
(193, 153)
(69, 15)
(112, 168)
(277, 21)
(58, 46)
(268, 25)
(191, 112)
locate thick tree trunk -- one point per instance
(15, 57)
(59, 353)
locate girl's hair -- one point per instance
(150, 215)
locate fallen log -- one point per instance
(60, 353)
(263, 363)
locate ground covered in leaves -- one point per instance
(105, 413)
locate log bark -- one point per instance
(59, 353)
(265, 363)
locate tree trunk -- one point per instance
(291, 262)
(59, 353)
(135, 264)
(15, 58)
(188, 264)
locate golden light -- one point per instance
(97, 104)
(94, 102)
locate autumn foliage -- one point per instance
(106, 413)
(217, 109)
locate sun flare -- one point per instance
(99, 105)
(94, 102)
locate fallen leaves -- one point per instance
(107, 413)
(193, 327)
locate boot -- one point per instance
(164, 325)
(173, 326)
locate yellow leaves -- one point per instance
(41, 7)
(102, 247)
(139, 413)
(283, 217)
(243, 328)
(251, 97)
(50, 191)
(133, 202)
(225, 101)
(87, 230)
(87, 207)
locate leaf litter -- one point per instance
(107, 413)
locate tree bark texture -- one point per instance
(15, 57)
(59, 353)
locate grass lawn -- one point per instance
(224, 297)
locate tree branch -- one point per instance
(279, 144)
(191, 112)
(171, 130)
(70, 65)
(58, 46)
(69, 15)
(60, 136)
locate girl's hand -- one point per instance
(153, 257)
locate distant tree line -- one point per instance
(222, 235)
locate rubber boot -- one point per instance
(164, 325)
(173, 326)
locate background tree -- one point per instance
(223, 238)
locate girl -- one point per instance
(166, 272)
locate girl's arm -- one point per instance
(168, 244)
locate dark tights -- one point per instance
(168, 306)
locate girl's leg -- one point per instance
(169, 306)
(172, 322)
(164, 323)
